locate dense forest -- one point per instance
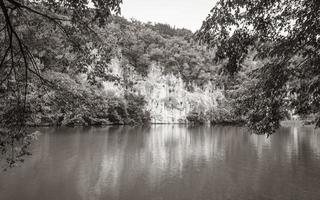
(56, 57)
(75, 94)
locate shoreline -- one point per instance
(284, 123)
(147, 124)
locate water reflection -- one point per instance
(168, 162)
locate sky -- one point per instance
(177, 13)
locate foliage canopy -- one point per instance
(27, 29)
(285, 36)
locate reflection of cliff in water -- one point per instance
(172, 151)
(168, 161)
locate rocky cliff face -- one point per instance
(167, 98)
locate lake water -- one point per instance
(167, 162)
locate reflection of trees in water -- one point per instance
(170, 150)
(116, 162)
(288, 141)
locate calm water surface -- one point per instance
(168, 162)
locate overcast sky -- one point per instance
(179, 13)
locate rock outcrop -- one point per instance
(168, 100)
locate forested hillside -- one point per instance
(73, 76)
